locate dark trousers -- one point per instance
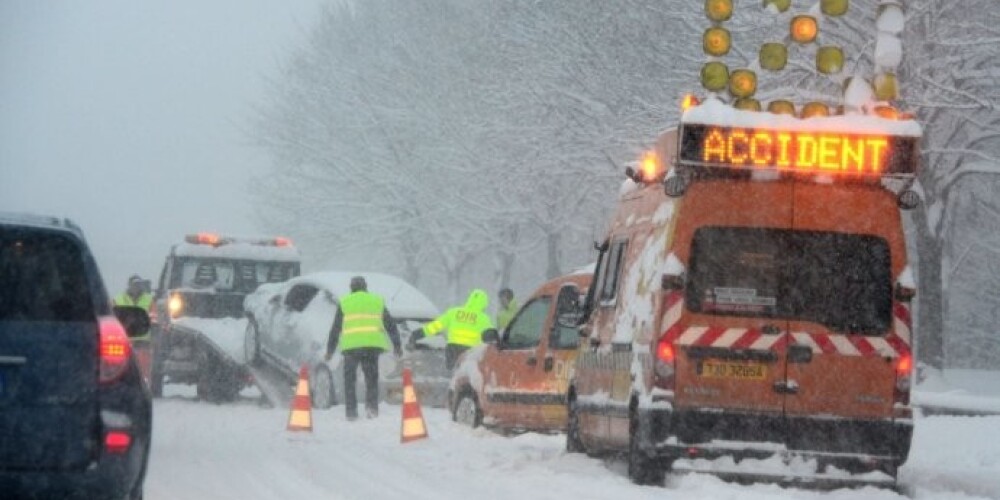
(451, 354)
(368, 359)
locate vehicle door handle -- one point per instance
(13, 360)
(770, 330)
(549, 363)
(532, 361)
(789, 387)
(799, 353)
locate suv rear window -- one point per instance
(42, 277)
(842, 281)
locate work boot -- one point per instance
(371, 412)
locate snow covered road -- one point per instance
(242, 451)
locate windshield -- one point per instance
(214, 275)
(841, 281)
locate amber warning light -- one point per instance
(797, 151)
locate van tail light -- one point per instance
(117, 442)
(904, 378)
(115, 349)
(664, 363)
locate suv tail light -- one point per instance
(664, 363)
(115, 349)
(117, 442)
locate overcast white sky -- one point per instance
(129, 116)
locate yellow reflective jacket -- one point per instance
(363, 326)
(504, 315)
(144, 301)
(465, 325)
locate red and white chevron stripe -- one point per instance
(896, 344)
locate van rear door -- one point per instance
(49, 344)
(731, 354)
(730, 344)
(845, 240)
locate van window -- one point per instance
(526, 328)
(612, 271)
(842, 281)
(44, 277)
(566, 337)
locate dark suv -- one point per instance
(75, 416)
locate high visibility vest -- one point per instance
(144, 301)
(465, 326)
(504, 315)
(362, 322)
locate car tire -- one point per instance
(573, 442)
(467, 411)
(322, 391)
(642, 469)
(251, 343)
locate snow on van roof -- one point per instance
(401, 298)
(238, 251)
(715, 112)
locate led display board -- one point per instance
(742, 148)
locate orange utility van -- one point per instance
(518, 381)
(753, 301)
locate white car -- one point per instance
(289, 325)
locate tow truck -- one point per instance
(750, 313)
(198, 318)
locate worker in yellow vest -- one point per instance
(135, 295)
(508, 307)
(360, 327)
(465, 326)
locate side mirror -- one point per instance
(569, 311)
(903, 293)
(135, 320)
(491, 336)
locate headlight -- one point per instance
(175, 305)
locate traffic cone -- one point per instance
(300, 418)
(414, 427)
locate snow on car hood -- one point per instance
(227, 333)
(401, 298)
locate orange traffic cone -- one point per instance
(300, 419)
(414, 427)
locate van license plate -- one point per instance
(742, 371)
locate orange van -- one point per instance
(518, 381)
(754, 301)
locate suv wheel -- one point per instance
(467, 410)
(251, 344)
(323, 394)
(642, 469)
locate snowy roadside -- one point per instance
(203, 451)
